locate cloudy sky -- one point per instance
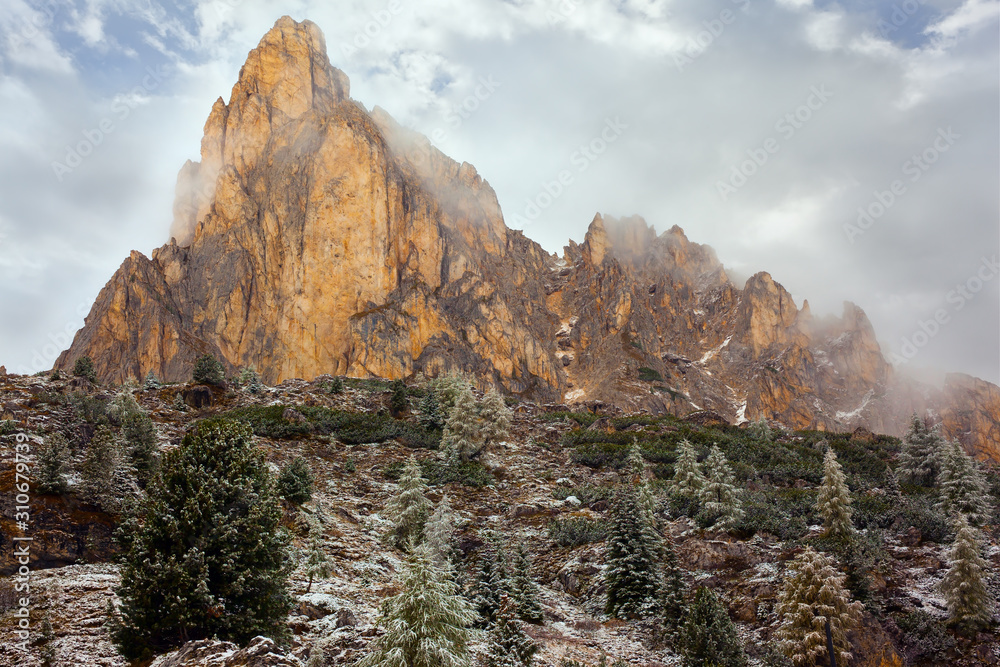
(848, 147)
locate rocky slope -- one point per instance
(315, 237)
(536, 478)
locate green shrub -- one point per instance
(208, 370)
(647, 374)
(925, 638)
(438, 473)
(84, 368)
(295, 481)
(582, 418)
(399, 401)
(576, 531)
(336, 385)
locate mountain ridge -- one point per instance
(316, 237)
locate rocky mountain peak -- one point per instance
(314, 237)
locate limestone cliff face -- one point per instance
(315, 237)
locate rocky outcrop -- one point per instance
(315, 237)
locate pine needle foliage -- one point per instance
(708, 636)
(508, 645)
(673, 592)
(52, 465)
(426, 623)
(204, 556)
(833, 502)
(439, 533)
(315, 561)
(632, 575)
(84, 368)
(108, 480)
(813, 594)
(719, 495)
(151, 383)
(494, 419)
(295, 481)
(963, 489)
(208, 370)
(688, 480)
(462, 439)
(524, 588)
(970, 605)
(920, 455)
(409, 508)
(431, 417)
(493, 581)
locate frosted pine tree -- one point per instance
(963, 490)
(447, 390)
(152, 383)
(812, 594)
(508, 645)
(494, 419)
(708, 636)
(672, 591)
(970, 606)
(409, 508)
(430, 416)
(107, 478)
(687, 480)
(524, 589)
(920, 456)
(492, 581)
(52, 465)
(462, 439)
(439, 533)
(315, 561)
(635, 466)
(834, 499)
(760, 430)
(719, 496)
(632, 575)
(426, 623)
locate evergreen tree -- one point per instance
(295, 481)
(84, 368)
(179, 403)
(107, 478)
(719, 497)
(634, 548)
(492, 581)
(635, 465)
(708, 637)
(494, 418)
(431, 417)
(208, 370)
(409, 508)
(462, 439)
(317, 565)
(508, 646)
(524, 588)
(439, 533)
(399, 402)
(152, 383)
(337, 385)
(426, 623)
(52, 465)
(813, 594)
(892, 483)
(140, 442)
(833, 501)
(205, 556)
(920, 455)
(688, 480)
(970, 606)
(963, 489)
(761, 430)
(447, 390)
(250, 380)
(673, 591)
